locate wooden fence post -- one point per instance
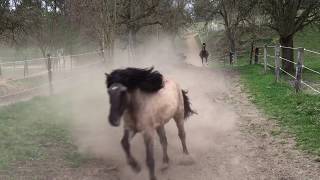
(50, 74)
(0, 68)
(299, 68)
(256, 55)
(277, 62)
(25, 69)
(71, 62)
(265, 58)
(103, 55)
(251, 52)
(235, 57)
(64, 62)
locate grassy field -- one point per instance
(31, 130)
(296, 113)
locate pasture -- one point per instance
(119, 90)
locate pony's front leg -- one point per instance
(125, 142)
(148, 140)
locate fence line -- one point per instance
(87, 53)
(51, 64)
(311, 69)
(285, 47)
(312, 51)
(299, 64)
(28, 77)
(288, 73)
(315, 90)
(288, 60)
(270, 65)
(53, 57)
(46, 84)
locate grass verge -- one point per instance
(298, 114)
(30, 130)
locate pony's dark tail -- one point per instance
(187, 105)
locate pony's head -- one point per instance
(203, 45)
(122, 82)
(118, 102)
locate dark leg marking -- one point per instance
(163, 140)
(126, 147)
(182, 135)
(148, 140)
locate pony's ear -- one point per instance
(107, 75)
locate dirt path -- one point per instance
(229, 139)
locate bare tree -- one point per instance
(287, 17)
(174, 16)
(233, 13)
(11, 20)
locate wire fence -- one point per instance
(40, 73)
(299, 65)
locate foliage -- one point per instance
(287, 17)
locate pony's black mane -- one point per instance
(148, 80)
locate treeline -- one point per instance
(55, 24)
(61, 24)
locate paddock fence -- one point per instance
(29, 76)
(304, 76)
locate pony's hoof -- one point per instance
(164, 167)
(135, 167)
(153, 178)
(187, 160)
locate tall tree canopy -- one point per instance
(287, 17)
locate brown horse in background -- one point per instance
(204, 54)
(146, 102)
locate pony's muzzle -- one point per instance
(114, 120)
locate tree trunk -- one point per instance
(287, 53)
(251, 52)
(232, 44)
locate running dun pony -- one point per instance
(146, 102)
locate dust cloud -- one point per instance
(206, 131)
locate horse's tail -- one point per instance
(187, 105)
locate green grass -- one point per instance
(298, 114)
(309, 38)
(29, 129)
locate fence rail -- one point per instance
(47, 68)
(299, 65)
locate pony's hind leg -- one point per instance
(182, 133)
(187, 160)
(163, 140)
(148, 140)
(125, 142)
